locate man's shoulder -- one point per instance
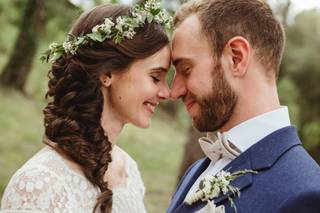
(295, 172)
(305, 201)
(300, 166)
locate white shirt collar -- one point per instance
(249, 132)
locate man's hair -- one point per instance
(254, 20)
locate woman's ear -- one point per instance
(106, 79)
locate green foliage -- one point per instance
(301, 65)
(9, 21)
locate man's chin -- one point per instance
(197, 123)
(205, 125)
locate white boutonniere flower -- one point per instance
(212, 186)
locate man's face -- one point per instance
(200, 80)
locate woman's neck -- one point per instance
(111, 123)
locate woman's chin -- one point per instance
(143, 123)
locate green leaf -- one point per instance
(155, 11)
(96, 37)
(56, 56)
(44, 58)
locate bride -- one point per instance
(110, 72)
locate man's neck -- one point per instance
(249, 107)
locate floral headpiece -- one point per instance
(124, 28)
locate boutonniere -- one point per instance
(212, 186)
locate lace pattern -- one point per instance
(46, 184)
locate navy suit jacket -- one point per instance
(288, 179)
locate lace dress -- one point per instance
(47, 184)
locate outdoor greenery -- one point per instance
(159, 149)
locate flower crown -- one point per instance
(124, 28)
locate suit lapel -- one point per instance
(261, 156)
(187, 182)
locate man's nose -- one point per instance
(178, 88)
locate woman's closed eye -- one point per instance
(156, 78)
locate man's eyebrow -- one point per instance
(178, 61)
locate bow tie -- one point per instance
(217, 146)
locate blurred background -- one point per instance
(165, 150)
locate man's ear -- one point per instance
(238, 52)
(106, 79)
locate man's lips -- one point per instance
(189, 104)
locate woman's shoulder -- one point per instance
(38, 163)
(32, 181)
(39, 171)
(45, 180)
(46, 160)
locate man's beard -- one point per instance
(217, 108)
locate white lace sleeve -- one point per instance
(35, 190)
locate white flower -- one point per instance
(215, 192)
(69, 47)
(140, 17)
(108, 23)
(53, 46)
(225, 190)
(152, 4)
(129, 34)
(95, 28)
(206, 184)
(222, 178)
(120, 24)
(160, 17)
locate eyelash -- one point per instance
(187, 71)
(155, 79)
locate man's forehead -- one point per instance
(189, 29)
(188, 39)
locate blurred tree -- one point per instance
(19, 65)
(302, 66)
(33, 21)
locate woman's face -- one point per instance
(135, 93)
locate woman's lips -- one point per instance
(150, 106)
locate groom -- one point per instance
(227, 55)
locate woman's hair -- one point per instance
(72, 118)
